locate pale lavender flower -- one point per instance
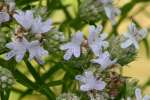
(36, 51)
(25, 19)
(138, 95)
(133, 36)
(110, 10)
(39, 27)
(73, 48)
(111, 13)
(89, 82)
(104, 60)
(96, 40)
(4, 17)
(18, 49)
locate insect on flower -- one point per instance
(90, 82)
(96, 40)
(73, 48)
(133, 36)
(104, 60)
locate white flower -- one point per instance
(25, 19)
(4, 17)
(39, 27)
(96, 40)
(138, 95)
(104, 60)
(89, 82)
(18, 49)
(133, 36)
(36, 51)
(73, 47)
(111, 13)
(110, 10)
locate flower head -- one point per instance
(39, 27)
(73, 47)
(104, 60)
(36, 51)
(25, 19)
(90, 82)
(133, 36)
(4, 17)
(96, 40)
(18, 49)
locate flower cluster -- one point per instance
(20, 45)
(104, 56)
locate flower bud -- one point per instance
(6, 79)
(91, 10)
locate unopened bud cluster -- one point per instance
(94, 10)
(90, 10)
(6, 79)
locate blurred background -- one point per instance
(63, 12)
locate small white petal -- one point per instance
(4, 17)
(68, 54)
(65, 46)
(138, 94)
(19, 57)
(77, 38)
(36, 51)
(76, 51)
(46, 26)
(143, 33)
(25, 19)
(126, 44)
(85, 87)
(100, 85)
(9, 55)
(39, 27)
